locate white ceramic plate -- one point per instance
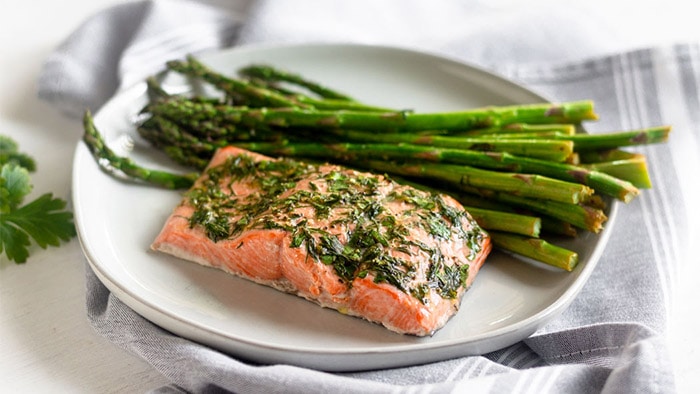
(117, 222)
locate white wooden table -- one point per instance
(46, 343)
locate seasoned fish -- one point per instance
(352, 241)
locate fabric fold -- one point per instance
(125, 44)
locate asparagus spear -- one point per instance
(257, 95)
(535, 135)
(597, 142)
(631, 170)
(269, 73)
(514, 129)
(154, 89)
(537, 249)
(525, 185)
(318, 103)
(506, 222)
(293, 116)
(550, 150)
(340, 105)
(123, 166)
(583, 142)
(602, 155)
(581, 216)
(322, 103)
(550, 224)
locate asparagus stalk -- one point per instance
(213, 130)
(597, 142)
(162, 132)
(270, 73)
(322, 103)
(505, 221)
(185, 158)
(155, 90)
(551, 150)
(542, 113)
(581, 216)
(537, 249)
(293, 116)
(525, 185)
(652, 135)
(514, 129)
(602, 155)
(257, 95)
(115, 164)
(535, 135)
(550, 225)
(631, 170)
(340, 105)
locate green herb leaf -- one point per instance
(9, 154)
(43, 220)
(14, 187)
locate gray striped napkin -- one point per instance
(129, 42)
(612, 337)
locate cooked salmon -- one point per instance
(356, 242)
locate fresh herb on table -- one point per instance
(44, 219)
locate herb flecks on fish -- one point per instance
(340, 218)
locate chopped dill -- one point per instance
(368, 239)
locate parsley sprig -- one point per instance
(44, 219)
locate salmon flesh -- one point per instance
(356, 242)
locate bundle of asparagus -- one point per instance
(520, 170)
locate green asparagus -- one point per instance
(525, 185)
(112, 163)
(536, 249)
(507, 222)
(269, 73)
(398, 121)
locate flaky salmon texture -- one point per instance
(352, 241)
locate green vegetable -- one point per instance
(44, 220)
(269, 73)
(537, 249)
(9, 154)
(112, 163)
(275, 112)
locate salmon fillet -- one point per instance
(352, 241)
